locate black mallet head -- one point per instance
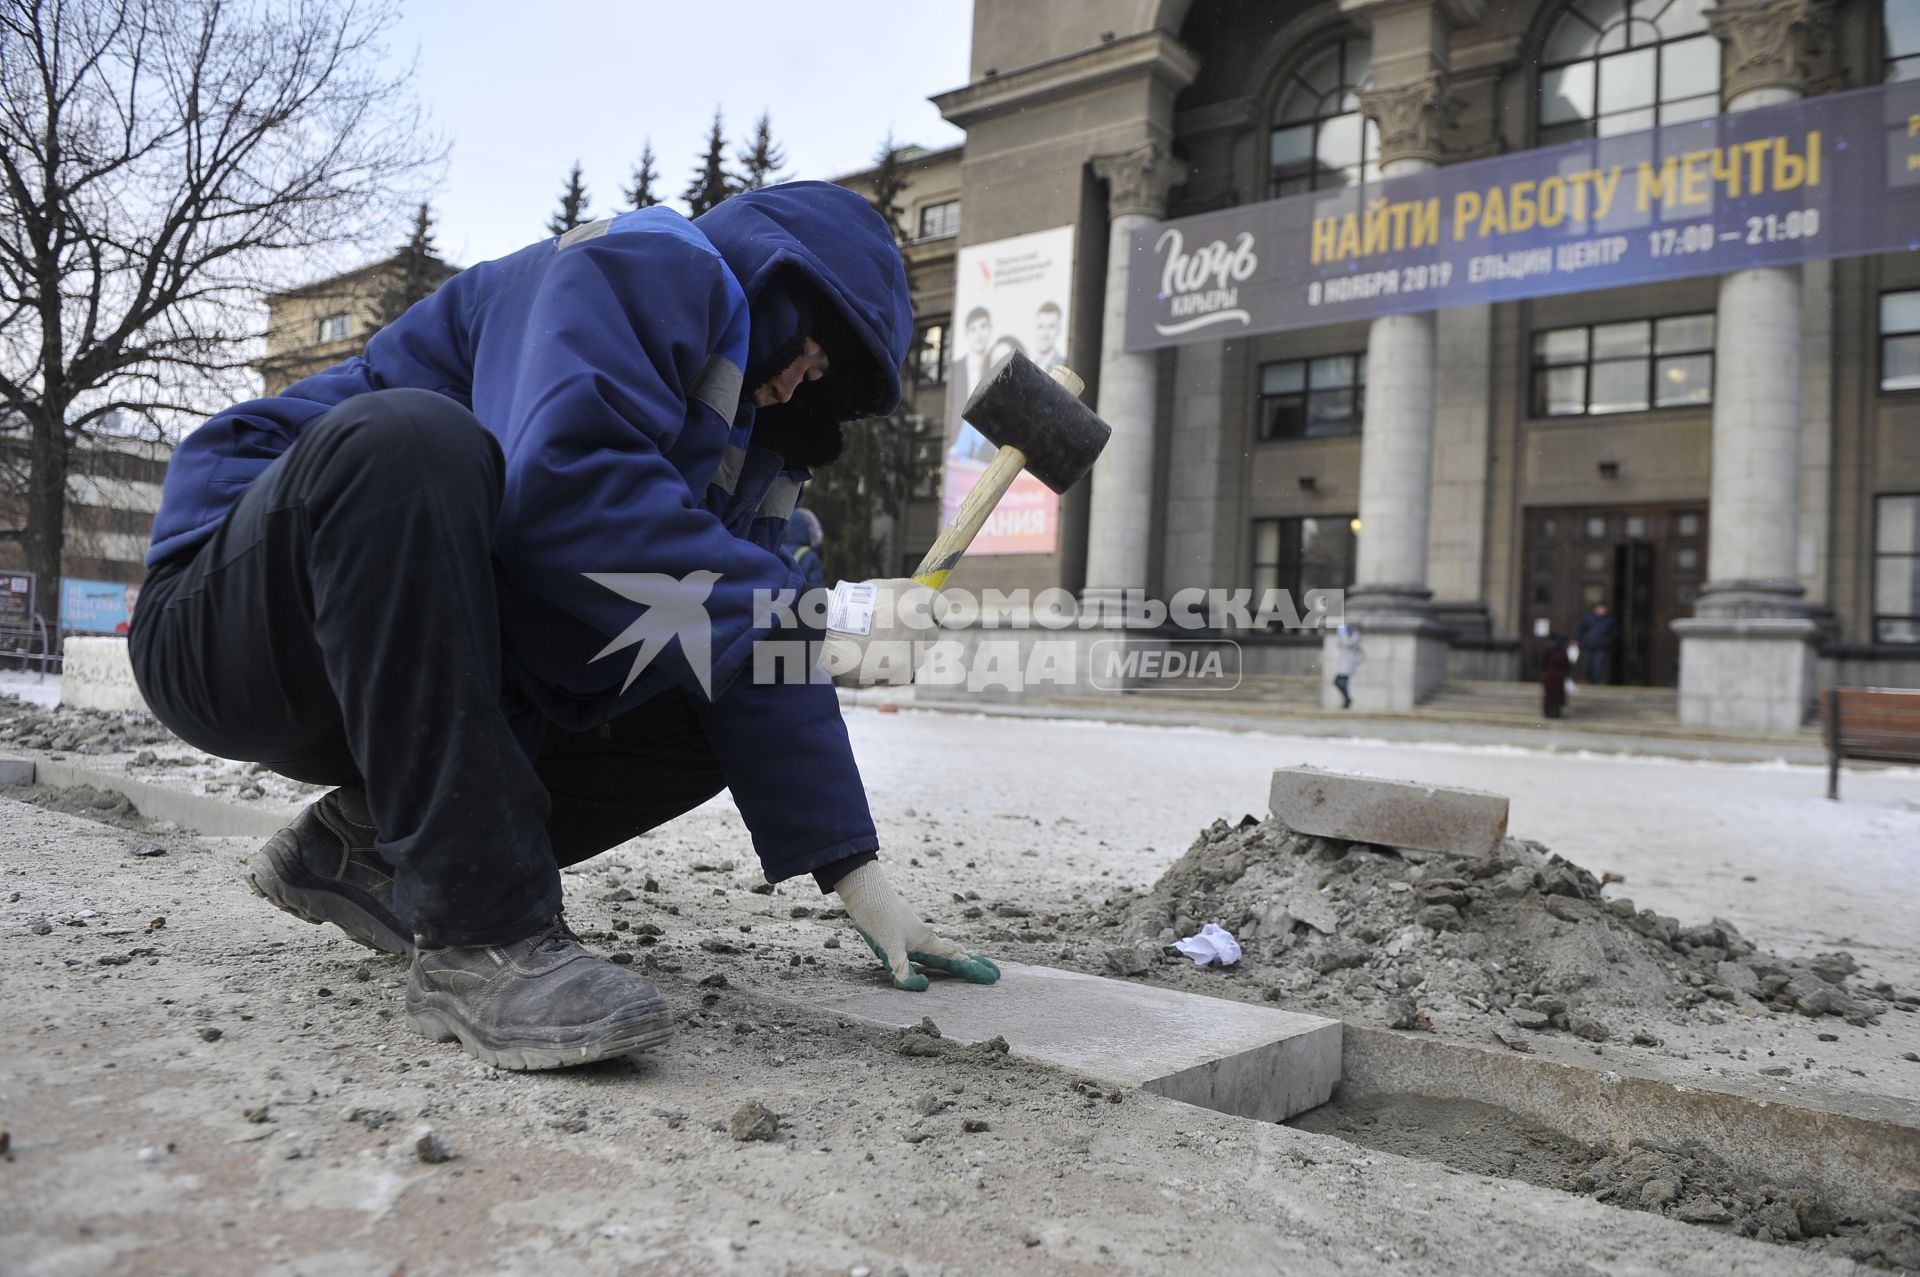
(1017, 405)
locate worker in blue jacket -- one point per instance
(499, 580)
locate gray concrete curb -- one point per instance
(195, 812)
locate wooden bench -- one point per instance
(1869, 722)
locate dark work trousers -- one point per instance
(341, 627)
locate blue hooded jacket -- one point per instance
(608, 363)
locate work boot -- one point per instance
(544, 1002)
(323, 868)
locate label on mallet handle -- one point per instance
(850, 607)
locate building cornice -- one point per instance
(1233, 116)
(1457, 13)
(1148, 54)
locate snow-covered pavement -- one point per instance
(31, 687)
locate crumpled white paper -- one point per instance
(1211, 943)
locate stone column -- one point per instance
(1121, 514)
(1406, 649)
(1746, 656)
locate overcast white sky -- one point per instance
(522, 90)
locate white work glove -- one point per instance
(898, 936)
(878, 631)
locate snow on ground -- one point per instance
(1685, 835)
(30, 686)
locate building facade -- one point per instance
(315, 326)
(1731, 463)
(113, 491)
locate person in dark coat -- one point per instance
(1555, 666)
(1595, 636)
(500, 580)
(802, 544)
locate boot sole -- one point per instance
(628, 1031)
(289, 887)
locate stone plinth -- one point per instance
(1405, 662)
(1746, 674)
(97, 674)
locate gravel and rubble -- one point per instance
(292, 1140)
(142, 749)
(77, 731)
(1515, 943)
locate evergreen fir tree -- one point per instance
(889, 184)
(711, 181)
(761, 161)
(573, 205)
(645, 175)
(888, 460)
(417, 271)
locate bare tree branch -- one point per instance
(162, 163)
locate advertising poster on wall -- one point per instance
(96, 607)
(1012, 294)
(16, 600)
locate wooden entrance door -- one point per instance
(1645, 562)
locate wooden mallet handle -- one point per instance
(999, 475)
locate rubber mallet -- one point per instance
(1040, 425)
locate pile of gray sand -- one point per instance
(1427, 941)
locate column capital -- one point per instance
(1767, 42)
(1412, 118)
(1138, 180)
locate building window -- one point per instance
(930, 354)
(1902, 18)
(1900, 341)
(1313, 398)
(1605, 70)
(1298, 555)
(1896, 569)
(335, 327)
(1625, 367)
(1319, 137)
(938, 220)
(927, 460)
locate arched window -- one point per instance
(1619, 66)
(1319, 138)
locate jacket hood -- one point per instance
(839, 244)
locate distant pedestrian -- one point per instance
(802, 541)
(1346, 662)
(1595, 636)
(1555, 666)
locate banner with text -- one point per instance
(96, 607)
(1832, 176)
(1012, 294)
